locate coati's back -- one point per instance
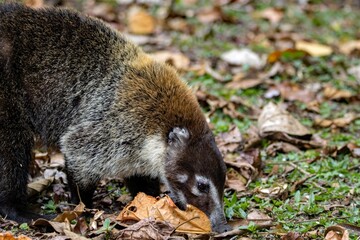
(54, 55)
(112, 110)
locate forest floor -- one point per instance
(279, 82)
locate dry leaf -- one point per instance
(259, 218)
(336, 94)
(140, 21)
(143, 206)
(178, 60)
(272, 14)
(178, 24)
(292, 92)
(314, 49)
(235, 180)
(337, 122)
(147, 229)
(10, 236)
(282, 147)
(244, 83)
(209, 14)
(34, 3)
(243, 57)
(292, 236)
(229, 141)
(348, 47)
(274, 119)
(38, 186)
(74, 236)
(336, 233)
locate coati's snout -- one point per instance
(195, 174)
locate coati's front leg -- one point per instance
(15, 155)
(145, 184)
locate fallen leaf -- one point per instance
(10, 236)
(348, 47)
(229, 141)
(38, 186)
(235, 180)
(178, 24)
(34, 3)
(243, 57)
(143, 206)
(336, 233)
(62, 221)
(292, 92)
(336, 94)
(272, 14)
(74, 236)
(314, 49)
(337, 122)
(178, 60)
(244, 83)
(140, 21)
(104, 11)
(147, 229)
(276, 191)
(281, 147)
(209, 14)
(259, 218)
(292, 236)
(274, 119)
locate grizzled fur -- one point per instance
(111, 109)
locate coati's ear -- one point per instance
(178, 136)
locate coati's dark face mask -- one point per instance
(195, 174)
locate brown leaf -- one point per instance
(143, 206)
(178, 24)
(10, 236)
(336, 233)
(274, 119)
(148, 228)
(348, 47)
(235, 180)
(244, 83)
(272, 14)
(281, 147)
(337, 122)
(292, 92)
(38, 186)
(229, 141)
(34, 3)
(336, 94)
(259, 218)
(140, 21)
(292, 236)
(209, 14)
(178, 60)
(314, 49)
(70, 215)
(74, 236)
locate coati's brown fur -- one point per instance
(112, 110)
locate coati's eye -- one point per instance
(203, 187)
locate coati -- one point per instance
(111, 109)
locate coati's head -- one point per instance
(195, 174)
